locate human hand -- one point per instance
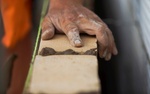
(72, 18)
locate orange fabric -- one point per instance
(16, 18)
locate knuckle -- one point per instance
(81, 16)
(71, 27)
(104, 26)
(46, 22)
(70, 17)
(99, 26)
(46, 26)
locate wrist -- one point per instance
(78, 1)
(61, 3)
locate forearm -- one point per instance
(79, 1)
(64, 2)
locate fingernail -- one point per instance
(108, 57)
(44, 34)
(115, 51)
(78, 43)
(48, 34)
(105, 53)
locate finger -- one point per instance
(72, 32)
(47, 29)
(112, 47)
(115, 51)
(110, 40)
(88, 26)
(92, 27)
(108, 57)
(103, 43)
(104, 54)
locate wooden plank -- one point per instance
(65, 74)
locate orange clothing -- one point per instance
(17, 21)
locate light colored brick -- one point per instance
(61, 43)
(65, 74)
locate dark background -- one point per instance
(126, 73)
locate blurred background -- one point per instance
(129, 72)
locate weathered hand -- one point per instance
(72, 18)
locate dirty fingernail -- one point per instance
(108, 57)
(78, 43)
(105, 53)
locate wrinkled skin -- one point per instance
(72, 19)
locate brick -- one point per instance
(65, 74)
(61, 43)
